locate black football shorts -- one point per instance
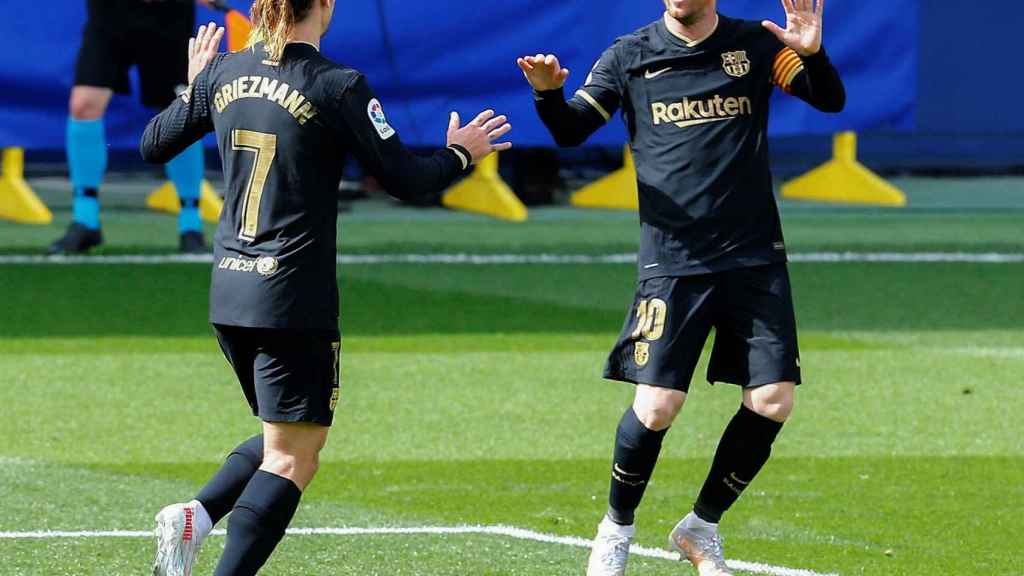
(286, 375)
(751, 310)
(150, 35)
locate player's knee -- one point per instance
(299, 467)
(86, 107)
(656, 408)
(777, 411)
(774, 402)
(312, 465)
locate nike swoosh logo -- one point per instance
(689, 123)
(625, 477)
(651, 75)
(621, 471)
(733, 476)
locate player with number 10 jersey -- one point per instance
(694, 89)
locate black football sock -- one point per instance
(742, 451)
(636, 453)
(257, 523)
(219, 495)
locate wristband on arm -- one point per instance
(463, 154)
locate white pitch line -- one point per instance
(514, 259)
(908, 257)
(506, 531)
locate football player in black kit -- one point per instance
(285, 116)
(694, 90)
(149, 35)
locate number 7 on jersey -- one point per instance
(265, 147)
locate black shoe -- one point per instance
(192, 242)
(77, 240)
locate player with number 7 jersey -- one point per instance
(285, 116)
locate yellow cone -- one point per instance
(17, 200)
(844, 180)
(484, 192)
(165, 199)
(616, 190)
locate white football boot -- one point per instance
(180, 531)
(698, 541)
(611, 549)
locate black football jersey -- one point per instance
(283, 129)
(697, 117)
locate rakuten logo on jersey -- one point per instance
(695, 112)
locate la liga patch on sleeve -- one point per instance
(376, 113)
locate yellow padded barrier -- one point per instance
(165, 199)
(484, 192)
(17, 200)
(616, 190)
(844, 180)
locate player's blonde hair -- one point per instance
(273, 21)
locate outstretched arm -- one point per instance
(803, 68)
(405, 175)
(571, 122)
(188, 118)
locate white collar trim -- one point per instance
(304, 42)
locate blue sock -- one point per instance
(87, 161)
(186, 172)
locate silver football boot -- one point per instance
(610, 550)
(177, 540)
(700, 543)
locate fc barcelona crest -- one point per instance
(641, 353)
(736, 64)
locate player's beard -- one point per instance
(688, 12)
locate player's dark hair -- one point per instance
(273, 21)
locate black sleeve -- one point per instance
(593, 105)
(812, 78)
(182, 124)
(405, 175)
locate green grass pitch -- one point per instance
(472, 395)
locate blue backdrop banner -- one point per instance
(425, 59)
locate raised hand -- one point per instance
(803, 26)
(543, 72)
(203, 48)
(479, 135)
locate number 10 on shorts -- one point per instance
(650, 325)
